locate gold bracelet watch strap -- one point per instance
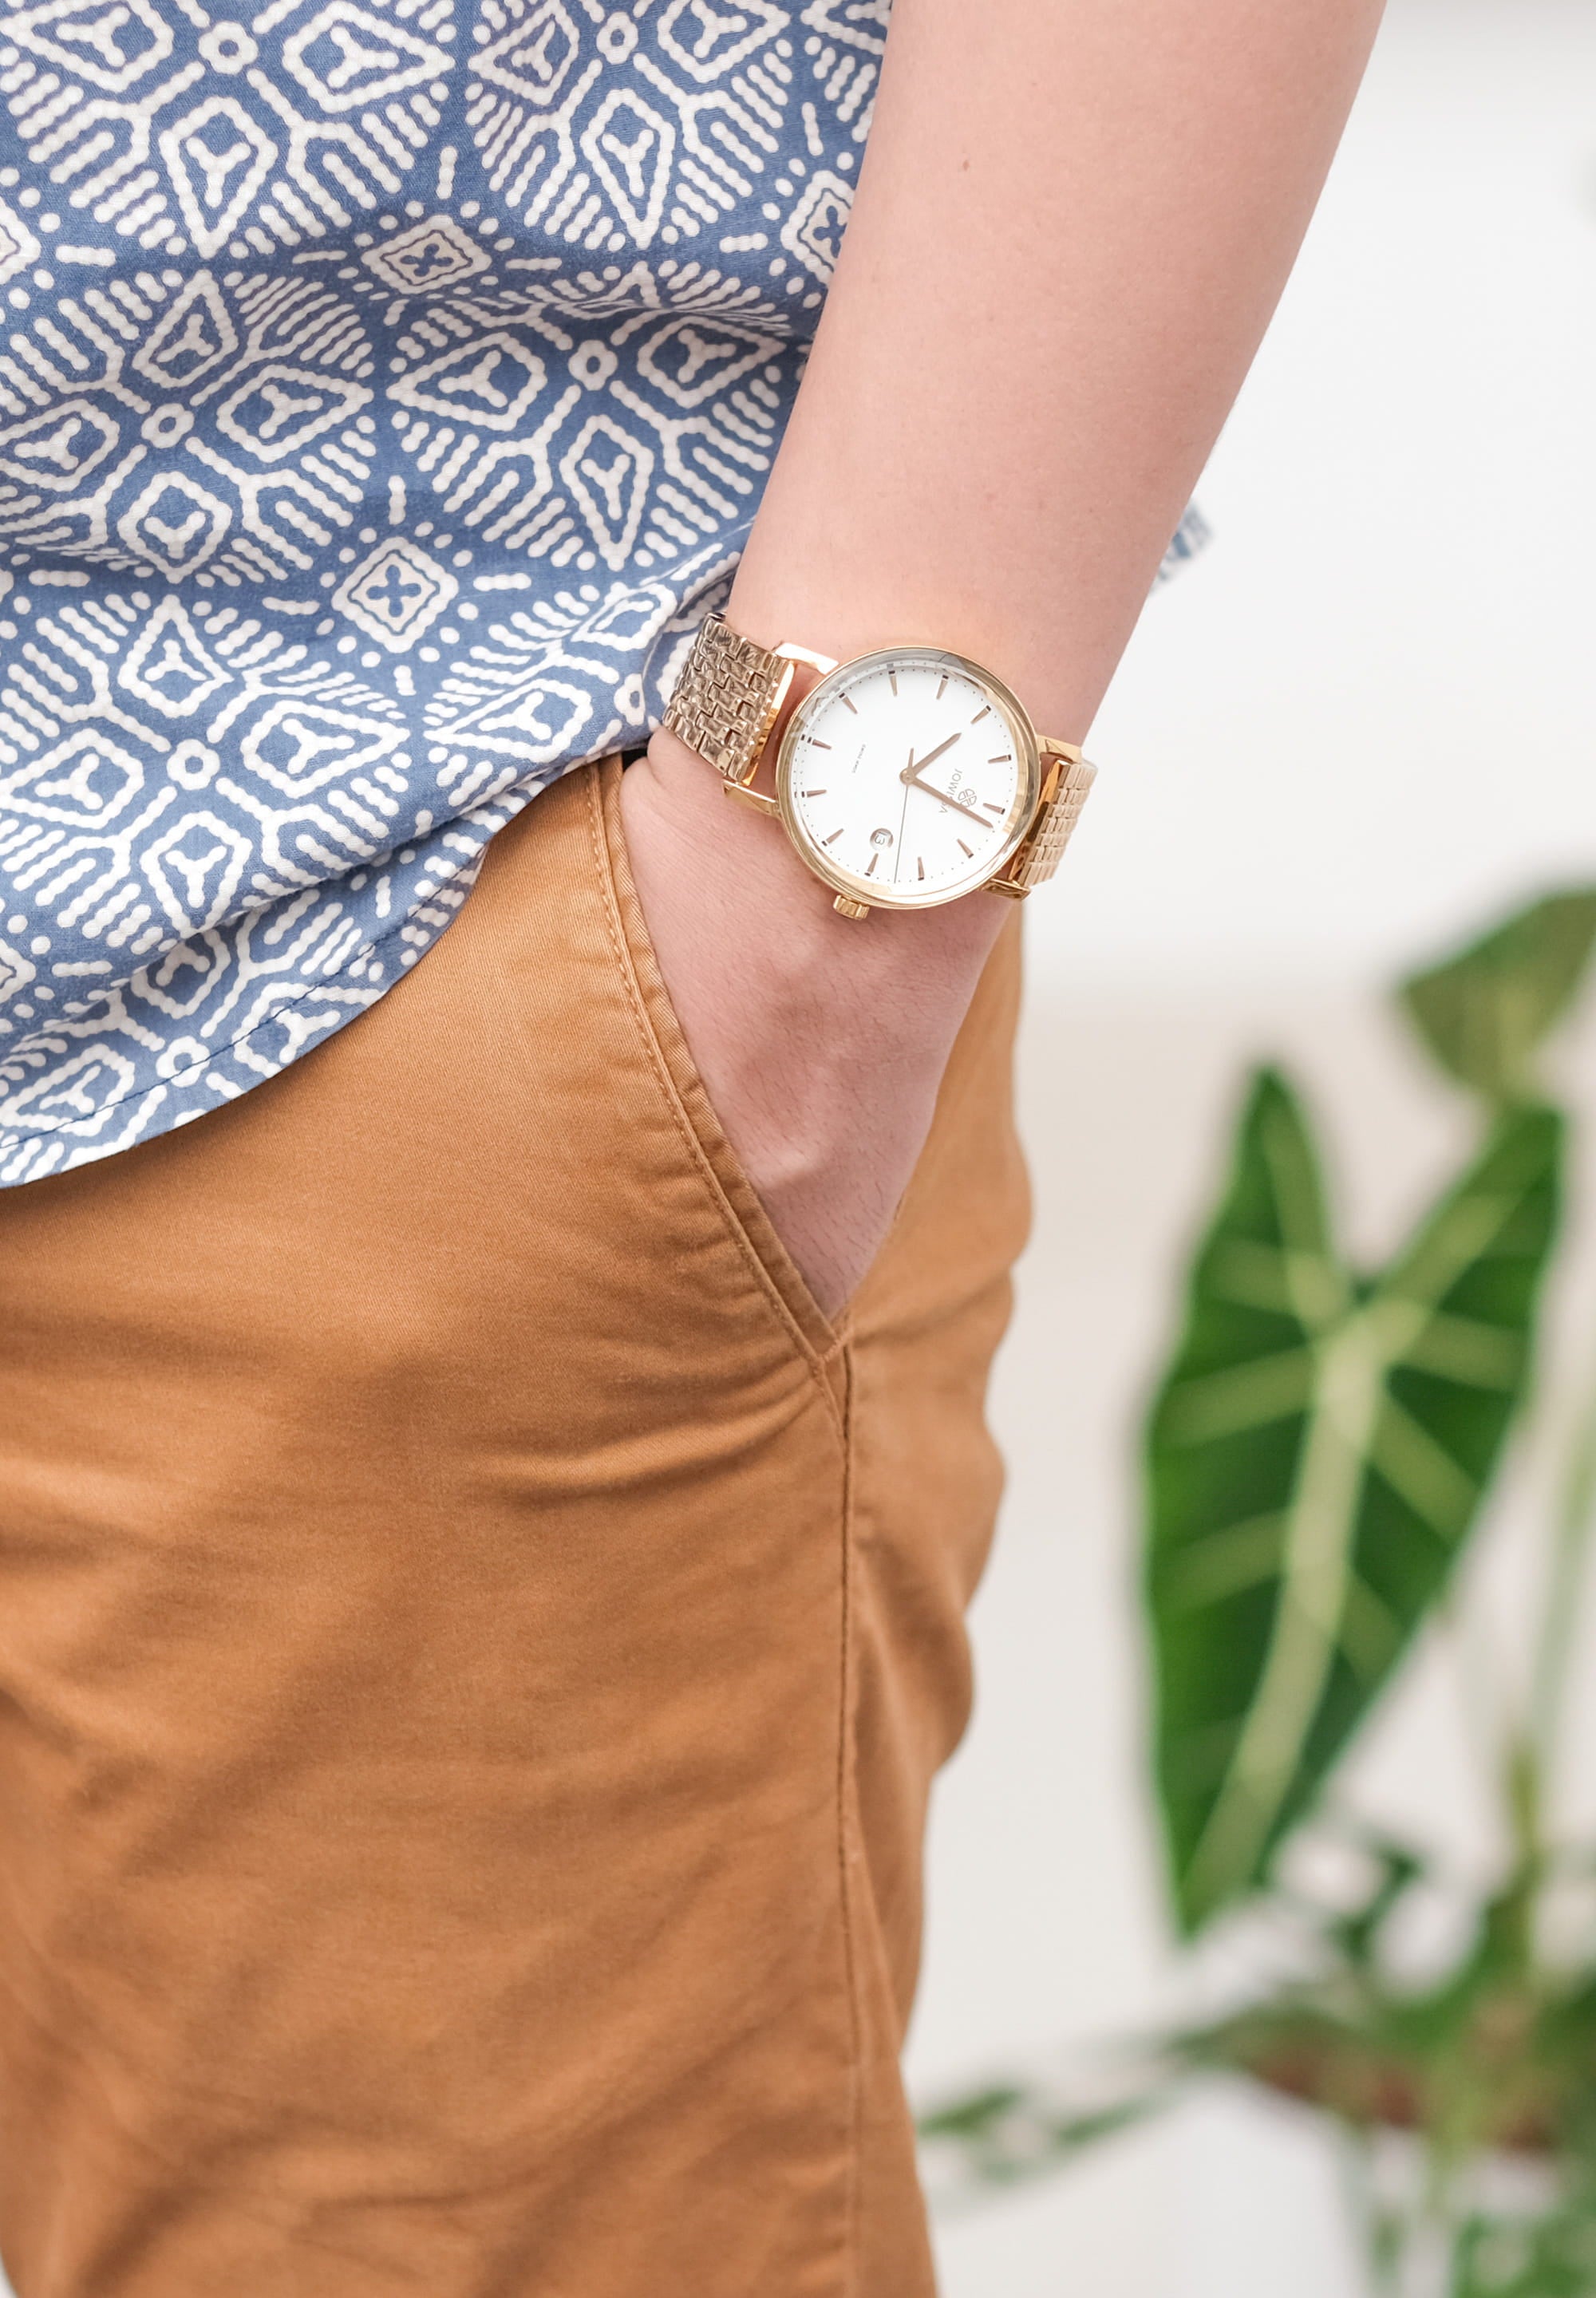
(1067, 778)
(730, 694)
(728, 698)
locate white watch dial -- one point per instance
(908, 776)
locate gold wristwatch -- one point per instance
(905, 778)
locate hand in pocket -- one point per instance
(820, 1040)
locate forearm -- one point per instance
(1072, 224)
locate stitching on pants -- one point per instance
(768, 1289)
(850, 1954)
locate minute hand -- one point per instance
(931, 790)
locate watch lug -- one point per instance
(753, 797)
(823, 662)
(1006, 886)
(845, 908)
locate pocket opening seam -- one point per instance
(768, 1290)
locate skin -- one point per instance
(1072, 224)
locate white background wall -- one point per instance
(1363, 723)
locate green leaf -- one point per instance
(1358, 1934)
(1486, 1012)
(1016, 2131)
(1316, 1459)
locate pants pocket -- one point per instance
(679, 1076)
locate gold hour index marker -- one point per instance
(815, 743)
(831, 840)
(920, 865)
(993, 805)
(941, 684)
(847, 703)
(984, 712)
(819, 793)
(873, 860)
(967, 851)
(892, 679)
(1001, 759)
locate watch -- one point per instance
(905, 778)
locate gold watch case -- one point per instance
(865, 893)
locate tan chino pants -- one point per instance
(474, 1647)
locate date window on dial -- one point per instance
(880, 838)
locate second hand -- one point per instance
(897, 861)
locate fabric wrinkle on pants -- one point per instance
(475, 1645)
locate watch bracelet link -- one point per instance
(726, 697)
(1043, 848)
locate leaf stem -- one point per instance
(1575, 1522)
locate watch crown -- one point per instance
(845, 908)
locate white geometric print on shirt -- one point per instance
(190, 424)
(656, 130)
(184, 132)
(615, 430)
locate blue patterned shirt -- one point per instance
(386, 388)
